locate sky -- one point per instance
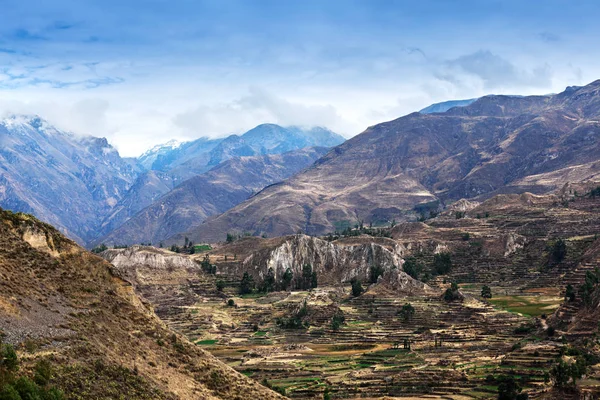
(142, 72)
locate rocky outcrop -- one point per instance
(145, 265)
(333, 262)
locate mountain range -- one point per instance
(84, 187)
(400, 169)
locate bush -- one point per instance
(247, 284)
(43, 372)
(8, 392)
(509, 389)
(8, 357)
(27, 389)
(486, 292)
(452, 293)
(407, 312)
(220, 285)
(570, 293)
(412, 267)
(559, 250)
(357, 288)
(337, 321)
(230, 303)
(442, 263)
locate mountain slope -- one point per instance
(67, 180)
(211, 193)
(103, 343)
(381, 174)
(446, 105)
(185, 160)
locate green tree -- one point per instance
(375, 272)
(314, 281)
(486, 292)
(247, 284)
(509, 389)
(286, 281)
(407, 312)
(570, 293)
(306, 281)
(412, 267)
(8, 357)
(559, 250)
(230, 238)
(337, 320)
(357, 288)
(442, 263)
(27, 389)
(268, 284)
(8, 392)
(452, 293)
(220, 285)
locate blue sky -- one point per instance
(143, 72)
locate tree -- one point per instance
(570, 293)
(314, 281)
(412, 267)
(286, 280)
(220, 285)
(99, 249)
(486, 292)
(230, 303)
(8, 357)
(357, 288)
(268, 284)
(307, 275)
(247, 284)
(559, 250)
(230, 238)
(407, 312)
(375, 272)
(337, 320)
(452, 293)
(509, 389)
(442, 263)
(8, 392)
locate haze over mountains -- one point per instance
(496, 144)
(81, 184)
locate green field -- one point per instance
(532, 306)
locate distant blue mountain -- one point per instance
(446, 105)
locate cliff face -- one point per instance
(334, 263)
(143, 265)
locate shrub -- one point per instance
(570, 293)
(337, 321)
(230, 303)
(220, 285)
(412, 267)
(27, 389)
(486, 292)
(8, 392)
(559, 250)
(375, 272)
(452, 293)
(442, 263)
(357, 288)
(407, 312)
(43, 372)
(247, 284)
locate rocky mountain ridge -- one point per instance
(394, 170)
